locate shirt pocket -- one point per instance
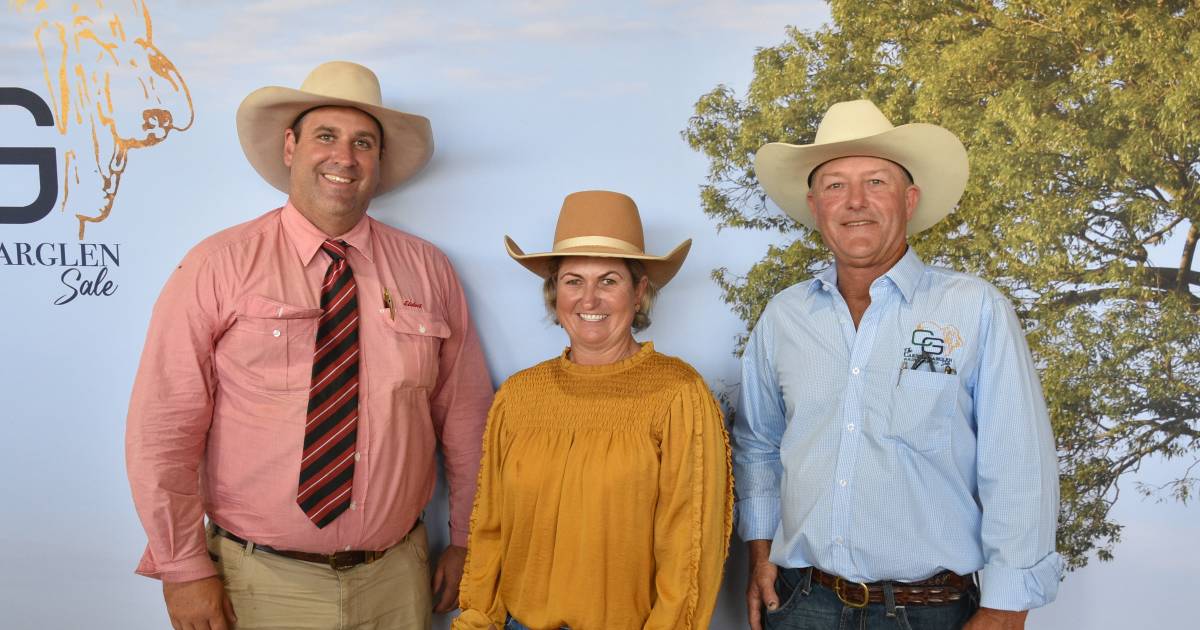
(414, 339)
(921, 409)
(271, 343)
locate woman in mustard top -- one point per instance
(605, 498)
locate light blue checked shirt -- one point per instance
(919, 442)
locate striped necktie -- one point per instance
(331, 429)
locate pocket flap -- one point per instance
(413, 322)
(259, 306)
(926, 379)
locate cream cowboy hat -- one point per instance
(267, 112)
(934, 156)
(603, 224)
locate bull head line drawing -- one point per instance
(110, 93)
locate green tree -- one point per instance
(1083, 130)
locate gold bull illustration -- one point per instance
(951, 338)
(111, 87)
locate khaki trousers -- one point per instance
(269, 591)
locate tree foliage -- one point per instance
(1082, 126)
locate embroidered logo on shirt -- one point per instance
(391, 301)
(931, 345)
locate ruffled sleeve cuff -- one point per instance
(471, 619)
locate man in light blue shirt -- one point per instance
(891, 439)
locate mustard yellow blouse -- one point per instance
(604, 502)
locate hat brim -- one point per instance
(660, 269)
(267, 112)
(935, 157)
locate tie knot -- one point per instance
(335, 249)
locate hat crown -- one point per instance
(266, 112)
(603, 224)
(600, 213)
(344, 80)
(851, 120)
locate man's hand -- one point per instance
(447, 576)
(992, 619)
(199, 605)
(761, 588)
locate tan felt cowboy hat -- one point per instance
(933, 156)
(604, 224)
(267, 112)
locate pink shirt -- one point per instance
(216, 419)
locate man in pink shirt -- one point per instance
(298, 372)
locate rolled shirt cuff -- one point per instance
(458, 537)
(184, 570)
(758, 518)
(1009, 588)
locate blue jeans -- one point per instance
(513, 624)
(810, 606)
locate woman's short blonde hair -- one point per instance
(637, 271)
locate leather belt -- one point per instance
(946, 587)
(339, 561)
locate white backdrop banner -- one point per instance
(118, 153)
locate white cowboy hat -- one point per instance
(267, 112)
(603, 224)
(933, 156)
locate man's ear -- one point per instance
(810, 199)
(289, 146)
(912, 195)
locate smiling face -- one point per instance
(595, 304)
(862, 206)
(334, 156)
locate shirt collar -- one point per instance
(307, 239)
(825, 280)
(905, 274)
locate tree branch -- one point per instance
(1156, 236)
(1157, 278)
(1185, 262)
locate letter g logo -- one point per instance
(44, 157)
(928, 342)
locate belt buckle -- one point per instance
(342, 560)
(837, 589)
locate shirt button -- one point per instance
(347, 547)
(357, 456)
(838, 540)
(850, 427)
(854, 371)
(421, 329)
(353, 505)
(841, 482)
(275, 332)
